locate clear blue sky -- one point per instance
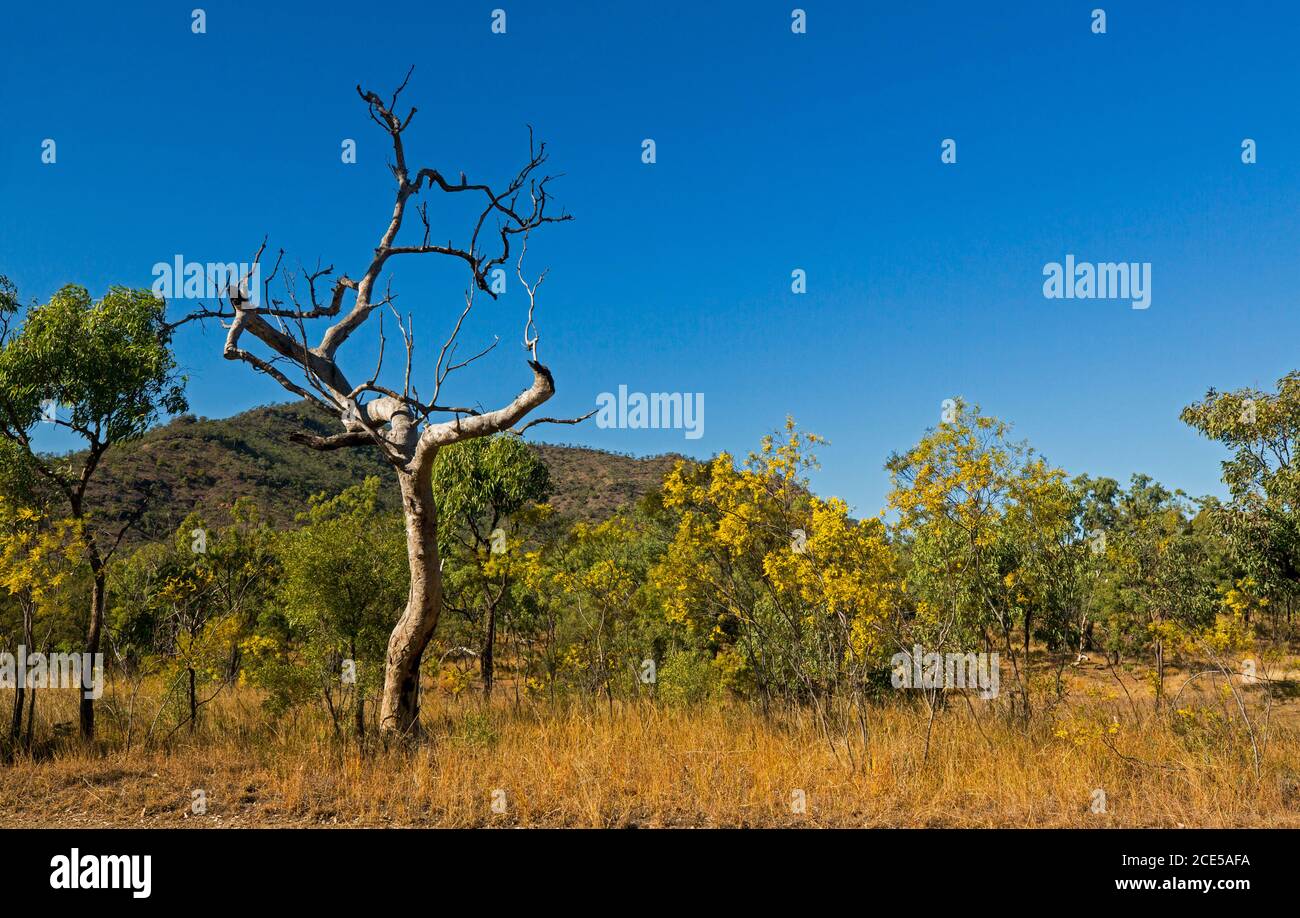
(775, 151)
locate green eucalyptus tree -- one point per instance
(1262, 519)
(101, 369)
(338, 592)
(481, 487)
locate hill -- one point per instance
(206, 464)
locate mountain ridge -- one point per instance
(206, 464)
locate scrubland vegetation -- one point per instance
(440, 637)
(719, 652)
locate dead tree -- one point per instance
(405, 427)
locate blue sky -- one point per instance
(775, 151)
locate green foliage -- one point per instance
(204, 464)
(595, 623)
(339, 581)
(688, 677)
(733, 577)
(488, 493)
(1261, 523)
(479, 483)
(989, 531)
(342, 585)
(103, 370)
(182, 607)
(108, 364)
(1158, 583)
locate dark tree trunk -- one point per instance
(16, 722)
(361, 698)
(20, 688)
(31, 717)
(486, 665)
(194, 700)
(92, 634)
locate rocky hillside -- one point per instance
(207, 464)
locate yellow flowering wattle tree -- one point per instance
(788, 593)
(990, 535)
(588, 621)
(38, 553)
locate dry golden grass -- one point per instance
(638, 763)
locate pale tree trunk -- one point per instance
(398, 422)
(399, 710)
